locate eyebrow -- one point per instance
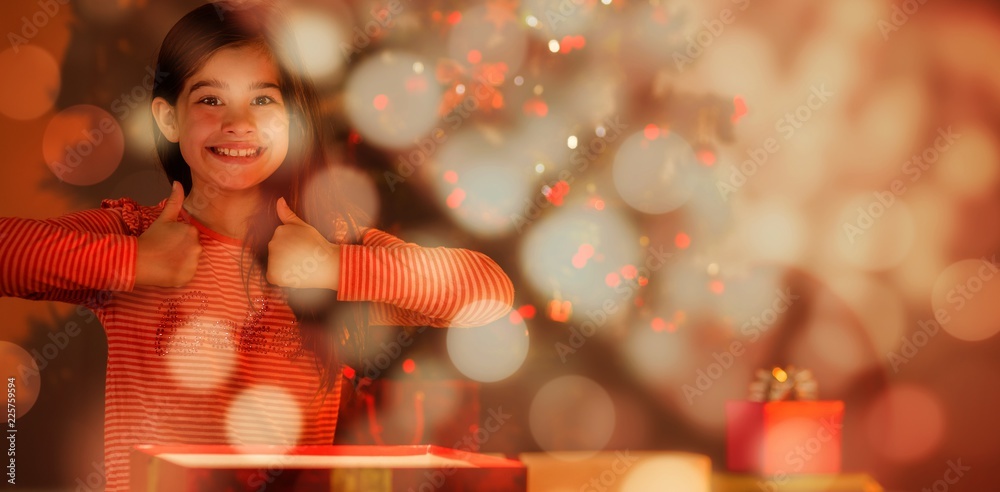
(218, 84)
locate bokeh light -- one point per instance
(967, 293)
(319, 41)
(83, 145)
(768, 231)
(572, 413)
(493, 194)
(17, 363)
(655, 175)
(905, 423)
(680, 472)
(492, 32)
(34, 90)
(350, 185)
(199, 365)
(264, 414)
(488, 353)
(971, 166)
(551, 244)
(887, 133)
(412, 100)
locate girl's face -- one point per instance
(230, 120)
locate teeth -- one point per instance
(235, 152)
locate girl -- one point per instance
(231, 306)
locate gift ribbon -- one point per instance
(788, 384)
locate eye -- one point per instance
(263, 100)
(210, 101)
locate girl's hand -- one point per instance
(299, 256)
(168, 249)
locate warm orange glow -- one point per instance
(527, 311)
(707, 157)
(612, 279)
(717, 287)
(560, 310)
(739, 109)
(455, 198)
(682, 240)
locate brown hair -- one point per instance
(327, 327)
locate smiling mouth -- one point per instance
(227, 152)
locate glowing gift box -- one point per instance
(853, 482)
(214, 468)
(614, 471)
(783, 438)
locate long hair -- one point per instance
(330, 329)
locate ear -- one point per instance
(166, 119)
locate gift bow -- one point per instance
(783, 384)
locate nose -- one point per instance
(239, 121)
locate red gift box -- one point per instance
(783, 437)
(222, 468)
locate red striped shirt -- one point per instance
(196, 364)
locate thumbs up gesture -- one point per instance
(299, 256)
(169, 249)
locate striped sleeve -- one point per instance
(415, 286)
(73, 258)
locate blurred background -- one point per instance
(683, 192)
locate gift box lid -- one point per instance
(318, 468)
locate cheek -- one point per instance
(273, 127)
(198, 126)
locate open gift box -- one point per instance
(222, 468)
(783, 437)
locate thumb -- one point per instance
(174, 202)
(286, 214)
